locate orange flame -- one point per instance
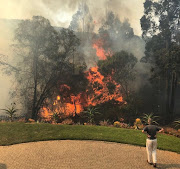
(100, 52)
(101, 89)
(97, 82)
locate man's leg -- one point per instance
(149, 150)
(154, 147)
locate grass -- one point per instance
(14, 133)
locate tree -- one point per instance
(121, 68)
(115, 34)
(160, 26)
(43, 61)
(82, 20)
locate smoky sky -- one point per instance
(60, 13)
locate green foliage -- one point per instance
(151, 116)
(90, 113)
(10, 111)
(177, 123)
(55, 117)
(160, 31)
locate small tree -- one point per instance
(10, 111)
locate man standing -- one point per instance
(151, 142)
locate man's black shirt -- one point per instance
(152, 130)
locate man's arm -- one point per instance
(144, 129)
(161, 130)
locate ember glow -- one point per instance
(104, 89)
(100, 87)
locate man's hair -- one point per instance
(149, 121)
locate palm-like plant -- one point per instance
(10, 111)
(177, 123)
(90, 113)
(151, 116)
(55, 117)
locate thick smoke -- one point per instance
(60, 13)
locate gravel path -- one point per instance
(69, 154)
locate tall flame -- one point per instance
(97, 83)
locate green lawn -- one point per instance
(13, 133)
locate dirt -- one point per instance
(69, 154)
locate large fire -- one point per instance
(104, 89)
(100, 51)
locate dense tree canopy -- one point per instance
(160, 25)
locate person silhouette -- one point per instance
(151, 142)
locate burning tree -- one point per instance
(43, 61)
(119, 67)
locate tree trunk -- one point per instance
(168, 97)
(174, 85)
(34, 111)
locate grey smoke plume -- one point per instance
(60, 13)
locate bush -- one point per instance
(31, 120)
(138, 124)
(68, 121)
(171, 131)
(120, 125)
(22, 120)
(104, 123)
(117, 124)
(177, 124)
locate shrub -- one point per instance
(10, 111)
(90, 114)
(121, 125)
(55, 117)
(68, 121)
(177, 123)
(151, 116)
(117, 124)
(138, 124)
(171, 131)
(31, 120)
(104, 123)
(22, 120)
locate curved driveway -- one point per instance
(69, 154)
